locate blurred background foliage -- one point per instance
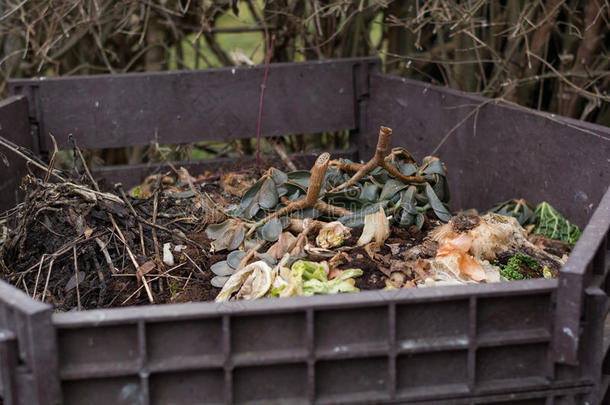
(550, 55)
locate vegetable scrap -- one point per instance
(340, 227)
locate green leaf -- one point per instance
(308, 270)
(439, 208)
(342, 283)
(219, 281)
(307, 213)
(390, 188)
(554, 225)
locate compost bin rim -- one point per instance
(329, 62)
(367, 298)
(581, 125)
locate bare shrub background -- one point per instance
(549, 55)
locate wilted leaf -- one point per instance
(517, 208)
(145, 269)
(278, 176)
(272, 230)
(300, 177)
(377, 227)
(332, 235)
(390, 188)
(356, 219)
(235, 257)
(214, 231)
(219, 281)
(439, 208)
(407, 200)
(408, 169)
(369, 192)
(282, 246)
(222, 268)
(434, 167)
(228, 234)
(261, 282)
(263, 194)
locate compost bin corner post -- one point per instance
(582, 296)
(28, 350)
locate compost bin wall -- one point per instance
(469, 344)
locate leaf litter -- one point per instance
(340, 227)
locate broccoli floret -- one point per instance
(512, 270)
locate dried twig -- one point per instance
(76, 278)
(38, 275)
(46, 283)
(107, 257)
(281, 151)
(30, 159)
(249, 255)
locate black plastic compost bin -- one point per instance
(524, 342)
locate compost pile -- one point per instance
(339, 227)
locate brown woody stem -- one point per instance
(378, 160)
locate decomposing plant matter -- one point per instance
(304, 232)
(378, 160)
(311, 200)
